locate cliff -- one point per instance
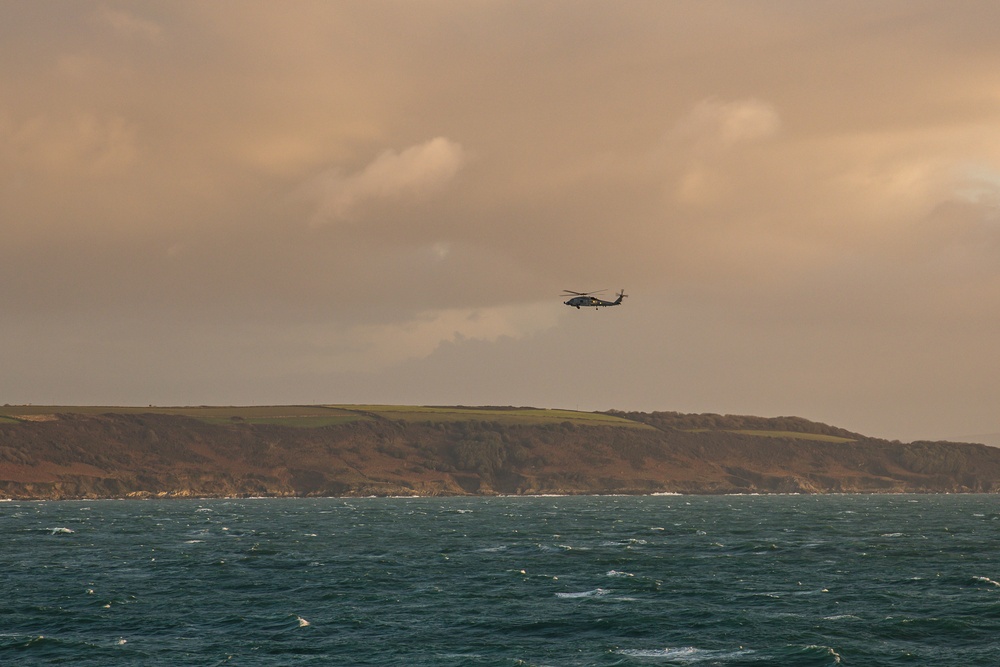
(116, 454)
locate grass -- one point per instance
(303, 416)
(797, 435)
(315, 416)
(501, 415)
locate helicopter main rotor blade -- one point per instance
(569, 291)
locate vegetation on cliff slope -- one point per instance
(48, 452)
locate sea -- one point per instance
(796, 580)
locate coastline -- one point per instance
(518, 452)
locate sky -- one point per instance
(242, 203)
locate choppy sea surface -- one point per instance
(560, 581)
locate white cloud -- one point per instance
(703, 142)
(128, 25)
(724, 124)
(380, 346)
(416, 171)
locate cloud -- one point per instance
(792, 171)
(723, 124)
(701, 147)
(377, 347)
(388, 345)
(419, 170)
(127, 24)
(82, 143)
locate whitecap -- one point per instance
(684, 654)
(597, 592)
(617, 573)
(623, 543)
(61, 531)
(986, 580)
(829, 651)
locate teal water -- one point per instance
(664, 580)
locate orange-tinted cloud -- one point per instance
(801, 198)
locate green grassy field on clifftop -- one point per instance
(315, 416)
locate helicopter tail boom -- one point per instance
(588, 300)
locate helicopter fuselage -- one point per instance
(588, 301)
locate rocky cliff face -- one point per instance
(128, 455)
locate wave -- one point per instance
(53, 649)
(986, 580)
(624, 543)
(597, 592)
(686, 654)
(501, 583)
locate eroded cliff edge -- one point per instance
(155, 455)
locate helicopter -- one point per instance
(588, 300)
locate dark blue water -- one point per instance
(666, 580)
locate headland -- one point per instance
(63, 452)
